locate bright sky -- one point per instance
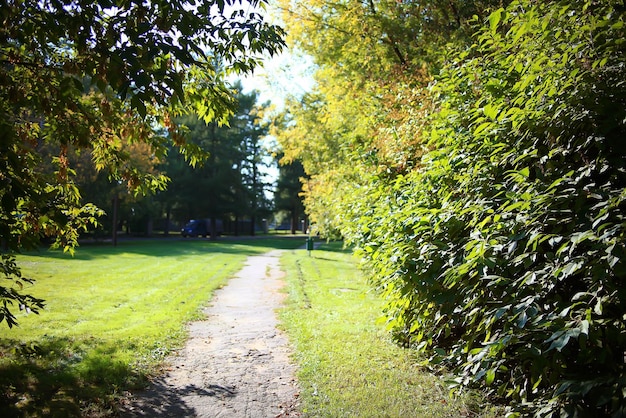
(282, 76)
(289, 74)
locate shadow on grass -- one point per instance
(55, 378)
(334, 247)
(177, 247)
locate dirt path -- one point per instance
(236, 363)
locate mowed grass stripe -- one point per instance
(123, 293)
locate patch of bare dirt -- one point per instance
(236, 362)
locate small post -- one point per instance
(115, 205)
(309, 244)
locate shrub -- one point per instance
(504, 256)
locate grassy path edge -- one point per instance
(347, 365)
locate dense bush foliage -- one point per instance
(479, 165)
(503, 255)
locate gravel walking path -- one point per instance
(236, 363)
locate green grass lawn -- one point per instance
(348, 367)
(112, 315)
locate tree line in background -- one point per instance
(231, 186)
(474, 153)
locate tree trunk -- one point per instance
(294, 221)
(115, 204)
(213, 228)
(168, 216)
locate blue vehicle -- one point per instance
(201, 227)
(194, 228)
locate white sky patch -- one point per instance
(289, 74)
(282, 76)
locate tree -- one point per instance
(98, 75)
(367, 115)
(288, 194)
(230, 183)
(251, 130)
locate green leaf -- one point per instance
(494, 19)
(490, 376)
(522, 319)
(479, 130)
(138, 105)
(561, 338)
(490, 111)
(584, 327)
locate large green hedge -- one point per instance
(503, 256)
